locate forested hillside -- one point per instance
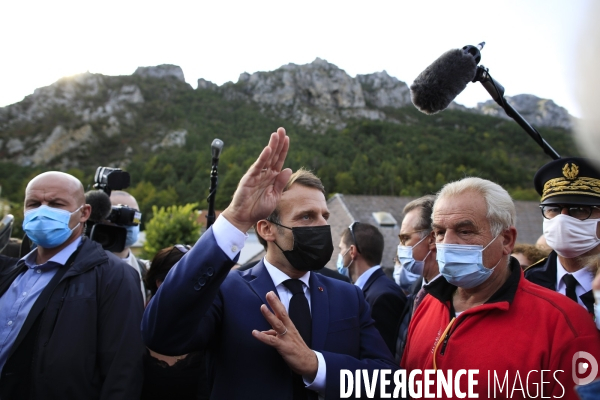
(406, 153)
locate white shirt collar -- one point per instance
(360, 282)
(423, 283)
(130, 259)
(279, 276)
(584, 277)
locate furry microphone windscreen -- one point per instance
(440, 83)
(101, 205)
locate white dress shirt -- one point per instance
(584, 281)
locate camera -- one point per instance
(107, 226)
(124, 215)
(109, 179)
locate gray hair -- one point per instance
(425, 206)
(501, 212)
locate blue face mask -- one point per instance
(48, 227)
(340, 264)
(132, 235)
(407, 261)
(462, 264)
(405, 279)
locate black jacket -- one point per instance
(387, 302)
(405, 318)
(543, 273)
(81, 339)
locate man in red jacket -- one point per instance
(484, 327)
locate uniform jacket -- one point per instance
(387, 302)
(201, 304)
(84, 341)
(543, 273)
(523, 327)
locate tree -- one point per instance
(169, 226)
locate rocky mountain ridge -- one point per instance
(69, 116)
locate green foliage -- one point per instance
(169, 226)
(148, 197)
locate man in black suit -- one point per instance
(570, 203)
(361, 250)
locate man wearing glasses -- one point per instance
(570, 204)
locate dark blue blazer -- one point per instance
(202, 305)
(387, 302)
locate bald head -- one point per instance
(124, 198)
(55, 182)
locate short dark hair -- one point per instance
(302, 177)
(424, 203)
(160, 265)
(368, 239)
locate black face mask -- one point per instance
(313, 247)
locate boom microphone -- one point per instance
(440, 83)
(101, 205)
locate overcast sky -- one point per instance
(530, 44)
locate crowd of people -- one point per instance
(463, 296)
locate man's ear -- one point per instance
(353, 252)
(265, 230)
(509, 238)
(431, 241)
(86, 211)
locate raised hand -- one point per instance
(286, 339)
(261, 186)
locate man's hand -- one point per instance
(286, 339)
(261, 186)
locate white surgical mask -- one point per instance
(571, 237)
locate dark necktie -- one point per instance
(571, 283)
(299, 312)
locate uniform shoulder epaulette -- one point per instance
(542, 261)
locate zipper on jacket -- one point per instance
(450, 332)
(444, 337)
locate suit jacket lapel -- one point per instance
(374, 276)
(588, 300)
(260, 281)
(319, 307)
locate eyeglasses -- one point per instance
(405, 237)
(351, 227)
(183, 248)
(550, 211)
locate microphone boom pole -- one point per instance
(216, 148)
(496, 90)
